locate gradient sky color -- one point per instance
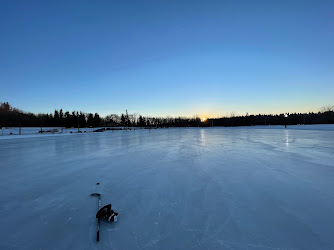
(160, 58)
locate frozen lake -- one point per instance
(190, 188)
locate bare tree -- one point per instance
(327, 108)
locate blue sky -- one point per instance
(206, 58)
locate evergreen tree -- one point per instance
(123, 120)
(56, 118)
(141, 121)
(97, 120)
(90, 120)
(61, 117)
(67, 120)
(74, 119)
(82, 120)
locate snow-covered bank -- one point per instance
(26, 132)
(192, 188)
(35, 131)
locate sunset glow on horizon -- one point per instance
(175, 58)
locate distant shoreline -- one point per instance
(27, 132)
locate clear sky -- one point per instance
(163, 58)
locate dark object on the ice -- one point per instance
(98, 219)
(49, 131)
(98, 130)
(98, 183)
(107, 213)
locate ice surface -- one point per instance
(190, 188)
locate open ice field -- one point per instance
(191, 188)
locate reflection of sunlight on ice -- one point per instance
(286, 137)
(203, 137)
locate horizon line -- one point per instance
(228, 114)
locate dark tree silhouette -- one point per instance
(67, 120)
(90, 120)
(97, 120)
(56, 118)
(123, 120)
(13, 117)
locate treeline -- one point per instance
(136, 120)
(13, 117)
(326, 116)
